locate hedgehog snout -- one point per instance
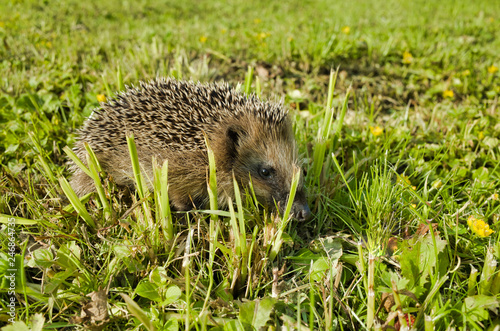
(301, 212)
(300, 207)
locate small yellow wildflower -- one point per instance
(480, 135)
(346, 30)
(405, 180)
(223, 31)
(492, 69)
(479, 226)
(263, 35)
(407, 57)
(376, 131)
(48, 44)
(494, 196)
(413, 205)
(51, 273)
(101, 98)
(437, 184)
(257, 20)
(466, 72)
(448, 94)
(203, 39)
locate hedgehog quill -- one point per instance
(170, 119)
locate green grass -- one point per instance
(408, 153)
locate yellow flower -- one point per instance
(101, 98)
(223, 31)
(494, 196)
(479, 226)
(413, 205)
(263, 35)
(448, 94)
(480, 135)
(203, 39)
(466, 72)
(437, 184)
(405, 180)
(376, 131)
(346, 29)
(492, 69)
(257, 20)
(407, 57)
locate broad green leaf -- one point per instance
(171, 325)
(68, 256)
(256, 313)
(388, 276)
(158, 276)
(419, 260)
(319, 268)
(481, 174)
(476, 307)
(148, 290)
(37, 322)
(16, 326)
(172, 294)
(491, 142)
(55, 281)
(42, 258)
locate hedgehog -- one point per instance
(174, 120)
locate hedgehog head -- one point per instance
(262, 150)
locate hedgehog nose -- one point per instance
(304, 213)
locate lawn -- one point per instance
(395, 108)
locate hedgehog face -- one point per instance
(270, 162)
(272, 188)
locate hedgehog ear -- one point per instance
(235, 134)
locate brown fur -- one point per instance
(170, 120)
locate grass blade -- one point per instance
(276, 246)
(248, 80)
(95, 170)
(79, 207)
(136, 310)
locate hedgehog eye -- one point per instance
(265, 172)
